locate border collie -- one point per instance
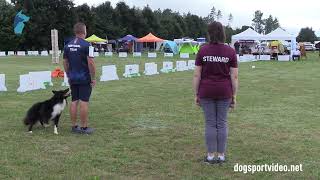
(47, 110)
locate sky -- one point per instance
(291, 14)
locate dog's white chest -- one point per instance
(58, 108)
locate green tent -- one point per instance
(95, 39)
(187, 48)
(196, 48)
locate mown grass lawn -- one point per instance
(149, 128)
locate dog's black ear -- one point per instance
(54, 92)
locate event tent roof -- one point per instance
(95, 39)
(150, 38)
(128, 38)
(248, 34)
(278, 34)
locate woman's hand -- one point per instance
(233, 102)
(197, 100)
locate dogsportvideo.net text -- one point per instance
(266, 168)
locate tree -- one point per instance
(8, 40)
(85, 15)
(171, 25)
(104, 20)
(230, 19)
(268, 25)
(258, 23)
(229, 32)
(275, 23)
(212, 16)
(46, 15)
(196, 26)
(306, 35)
(219, 15)
(151, 20)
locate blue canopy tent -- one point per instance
(129, 38)
(170, 46)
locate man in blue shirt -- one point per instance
(80, 69)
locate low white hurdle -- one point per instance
(167, 66)
(41, 78)
(123, 54)
(109, 54)
(265, 57)
(191, 64)
(184, 55)
(150, 69)
(3, 82)
(44, 53)
(10, 53)
(109, 73)
(181, 66)
(131, 70)
(34, 81)
(168, 54)
(35, 53)
(21, 53)
(283, 57)
(152, 55)
(26, 84)
(136, 54)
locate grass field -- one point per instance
(149, 128)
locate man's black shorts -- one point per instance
(81, 92)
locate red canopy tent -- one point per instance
(150, 38)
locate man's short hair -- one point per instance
(216, 32)
(79, 28)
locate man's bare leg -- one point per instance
(84, 113)
(74, 112)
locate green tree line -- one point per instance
(109, 22)
(103, 20)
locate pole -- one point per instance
(55, 47)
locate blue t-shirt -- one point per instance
(77, 52)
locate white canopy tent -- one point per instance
(248, 34)
(282, 35)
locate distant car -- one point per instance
(309, 46)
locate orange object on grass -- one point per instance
(57, 73)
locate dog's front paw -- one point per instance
(55, 130)
(30, 132)
(56, 133)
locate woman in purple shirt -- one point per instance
(215, 86)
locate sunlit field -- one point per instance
(149, 128)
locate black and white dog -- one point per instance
(47, 110)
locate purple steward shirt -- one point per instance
(216, 60)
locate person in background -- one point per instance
(318, 47)
(215, 85)
(80, 69)
(302, 50)
(237, 47)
